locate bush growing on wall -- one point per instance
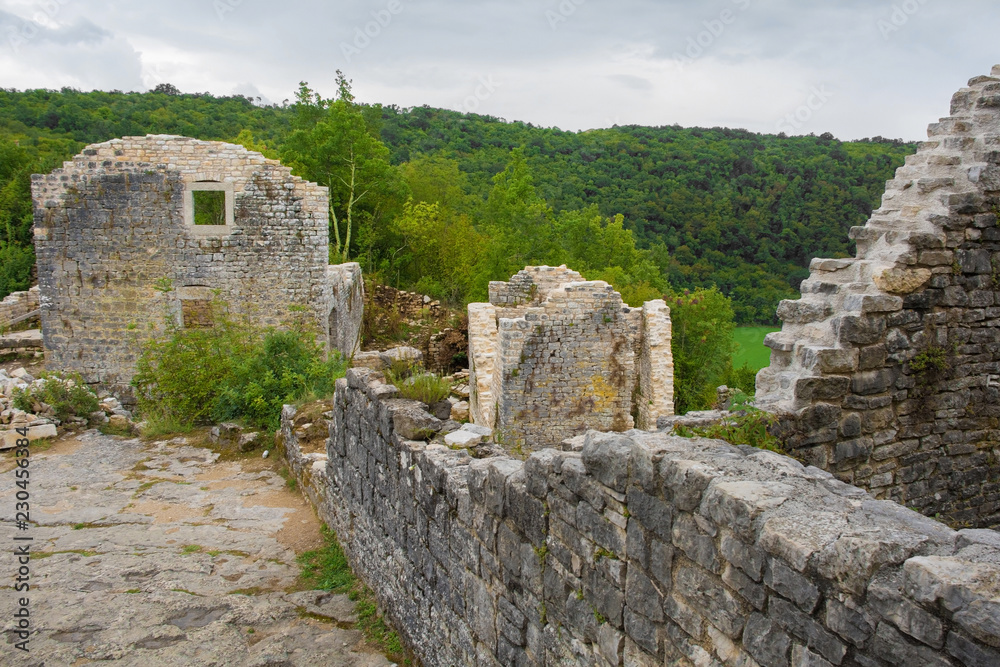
(232, 370)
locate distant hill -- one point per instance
(737, 209)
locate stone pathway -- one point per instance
(159, 554)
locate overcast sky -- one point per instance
(851, 67)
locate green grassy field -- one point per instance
(751, 348)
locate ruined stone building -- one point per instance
(887, 370)
(552, 355)
(139, 229)
(646, 549)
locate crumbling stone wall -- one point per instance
(18, 304)
(409, 305)
(552, 355)
(641, 549)
(887, 370)
(118, 251)
(346, 307)
(446, 350)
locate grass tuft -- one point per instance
(327, 569)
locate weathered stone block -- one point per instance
(606, 457)
(794, 586)
(765, 641)
(821, 388)
(706, 593)
(908, 617)
(851, 623)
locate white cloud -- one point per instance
(597, 63)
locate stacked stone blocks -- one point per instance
(552, 355)
(887, 370)
(18, 304)
(644, 549)
(117, 255)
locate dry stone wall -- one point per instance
(18, 304)
(552, 355)
(118, 251)
(887, 370)
(641, 549)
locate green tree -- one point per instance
(603, 249)
(702, 346)
(440, 248)
(332, 144)
(518, 225)
(17, 163)
(247, 139)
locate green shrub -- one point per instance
(419, 386)
(232, 370)
(68, 395)
(702, 346)
(933, 359)
(285, 368)
(743, 378)
(745, 426)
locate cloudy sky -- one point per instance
(856, 68)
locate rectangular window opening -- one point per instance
(209, 207)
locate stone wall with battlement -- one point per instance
(640, 549)
(887, 370)
(118, 251)
(553, 355)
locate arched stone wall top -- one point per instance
(193, 159)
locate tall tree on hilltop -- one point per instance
(518, 224)
(334, 144)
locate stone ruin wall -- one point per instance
(347, 307)
(439, 349)
(640, 549)
(643, 548)
(887, 370)
(553, 355)
(18, 304)
(111, 234)
(408, 305)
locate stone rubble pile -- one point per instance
(39, 425)
(234, 436)
(42, 421)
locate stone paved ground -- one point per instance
(160, 554)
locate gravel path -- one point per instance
(158, 554)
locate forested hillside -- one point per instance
(447, 201)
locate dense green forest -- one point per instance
(443, 202)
